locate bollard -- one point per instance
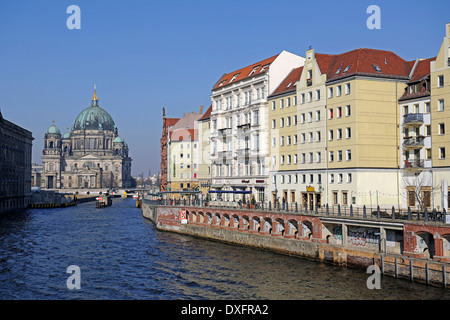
(270, 206)
(364, 212)
(296, 208)
(393, 213)
(409, 213)
(317, 210)
(351, 210)
(378, 212)
(339, 210)
(327, 210)
(425, 214)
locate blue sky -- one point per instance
(144, 55)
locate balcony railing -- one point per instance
(413, 118)
(243, 152)
(225, 154)
(413, 142)
(414, 164)
(225, 131)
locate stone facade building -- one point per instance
(15, 166)
(90, 156)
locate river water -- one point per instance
(122, 256)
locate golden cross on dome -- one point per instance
(95, 93)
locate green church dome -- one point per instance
(117, 139)
(94, 118)
(53, 129)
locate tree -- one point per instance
(419, 189)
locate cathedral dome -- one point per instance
(94, 118)
(53, 129)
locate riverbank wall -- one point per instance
(413, 250)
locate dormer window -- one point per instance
(377, 68)
(254, 70)
(222, 83)
(337, 72)
(264, 68)
(346, 69)
(234, 77)
(290, 83)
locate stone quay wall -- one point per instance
(412, 250)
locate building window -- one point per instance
(338, 90)
(348, 133)
(440, 81)
(427, 107)
(288, 102)
(349, 178)
(441, 153)
(319, 157)
(441, 105)
(274, 124)
(347, 88)
(441, 128)
(273, 105)
(332, 178)
(349, 155)
(330, 92)
(317, 94)
(295, 100)
(339, 112)
(344, 198)
(330, 135)
(340, 155)
(331, 156)
(318, 115)
(428, 153)
(281, 103)
(302, 98)
(330, 114)
(339, 134)
(348, 111)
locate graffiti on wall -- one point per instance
(360, 236)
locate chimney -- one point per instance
(201, 110)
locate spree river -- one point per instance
(121, 255)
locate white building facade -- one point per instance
(239, 128)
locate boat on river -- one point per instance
(103, 201)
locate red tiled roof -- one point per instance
(244, 73)
(289, 83)
(422, 70)
(364, 61)
(324, 61)
(207, 114)
(171, 121)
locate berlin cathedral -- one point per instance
(90, 156)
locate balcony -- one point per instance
(244, 126)
(244, 152)
(413, 119)
(225, 131)
(225, 154)
(414, 142)
(414, 164)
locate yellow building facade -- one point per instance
(440, 121)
